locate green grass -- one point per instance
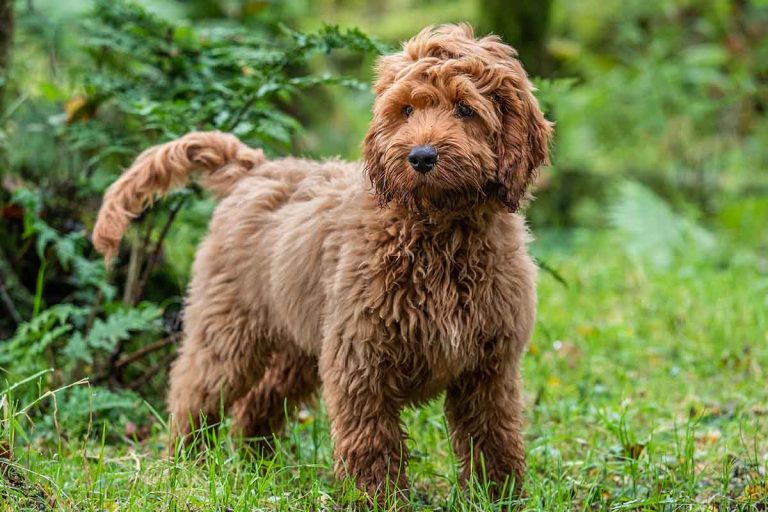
(645, 390)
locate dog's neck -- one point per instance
(477, 218)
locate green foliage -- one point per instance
(162, 79)
(85, 275)
(34, 337)
(669, 94)
(84, 329)
(650, 230)
(136, 79)
(117, 326)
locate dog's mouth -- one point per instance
(423, 179)
(433, 191)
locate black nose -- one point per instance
(423, 158)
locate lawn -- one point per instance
(645, 390)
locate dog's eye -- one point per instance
(407, 110)
(463, 110)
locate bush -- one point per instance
(138, 80)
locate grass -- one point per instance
(645, 390)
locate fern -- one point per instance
(69, 248)
(31, 339)
(650, 230)
(120, 325)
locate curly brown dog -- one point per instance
(387, 289)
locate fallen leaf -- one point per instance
(6, 452)
(633, 450)
(709, 437)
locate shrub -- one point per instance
(140, 80)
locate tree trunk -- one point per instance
(523, 24)
(6, 39)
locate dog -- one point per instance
(386, 281)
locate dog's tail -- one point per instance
(220, 158)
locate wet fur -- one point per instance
(386, 286)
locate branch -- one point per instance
(6, 42)
(134, 270)
(241, 113)
(151, 372)
(152, 347)
(114, 369)
(158, 246)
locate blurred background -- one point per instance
(650, 224)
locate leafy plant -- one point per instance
(86, 327)
(650, 230)
(139, 79)
(163, 80)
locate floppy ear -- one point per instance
(387, 68)
(372, 161)
(522, 145)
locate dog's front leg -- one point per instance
(369, 442)
(485, 421)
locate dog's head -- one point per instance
(455, 123)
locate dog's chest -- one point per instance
(430, 296)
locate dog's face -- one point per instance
(455, 123)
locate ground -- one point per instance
(645, 390)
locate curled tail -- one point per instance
(220, 158)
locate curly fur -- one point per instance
(388, 290)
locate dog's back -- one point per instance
(277, 236)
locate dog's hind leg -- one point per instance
(225, 350)
(214, 369)
(290, 380)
